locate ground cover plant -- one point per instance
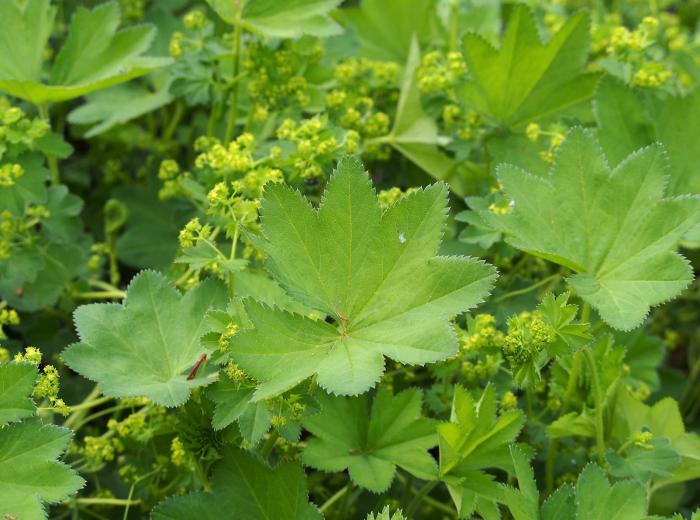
(371, 259)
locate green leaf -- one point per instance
(35, 276)
(475, 439)
(152, 226)
(596, 499)
(119, 104)
(370, 444)
(642, 463)
(233, 403)
(386, 515)
(30, 476)
(629, 119)
(527, 79)
(16, 386)
(148, 345)
(523, 503)
(374, 273)
(392, 41)
(561, 315)
(415, 134)
(94, 56)
(281, 18)
(30, 188)
(614, 228)
(245, 489)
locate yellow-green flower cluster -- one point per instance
(527, 335)
(482, 370)
(276, 75)
(464, 124)
(482, 334)
(230, 331)
(651, 75)
(18, 129)
(235, 373)
(193, 232)
(440, 72)
(31, 354)
(10, 173)
(363, 76)
(131, 426)
(389, 197)
(195, 19)
(178, 455)
(132, 10)
(642, 439)
(98, 450)
(315, 145)
(508, 401)
(7, 317)
(4, 355)
(237, 157)
(556, 137)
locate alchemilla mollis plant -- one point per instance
(362, 259)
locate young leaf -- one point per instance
(371, 444)
(245, 489)
(476, 438)
(148, 345)
(526, 79)
(374, 273)
(386, 515)
(596, 499)
(614, 228)
(16, 386)
(281, 18)
(30, 476)
(630, 119)
(641, 463)
(524, 502)
(95, 55)
(233, 403)
(415, 134)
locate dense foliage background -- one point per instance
(492, 315)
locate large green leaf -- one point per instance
(148, 345)
(16, 386)
(526, 79)
(94, 56)
(245, 489)
(386, 28)
(281, 18)
(629, 119)
(375, 273)
(370, 444)
(30, 476)
(613, 228)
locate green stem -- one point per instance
(79, 411)
(269, 444)
(598, 399)
(233, 109)
(103, 285)
(53, 162)
(107, 501)
(100, 295)
(552, 449)
(422, 493)
(454, 24)
(336, 496)
(526, 290)
(174, 120)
